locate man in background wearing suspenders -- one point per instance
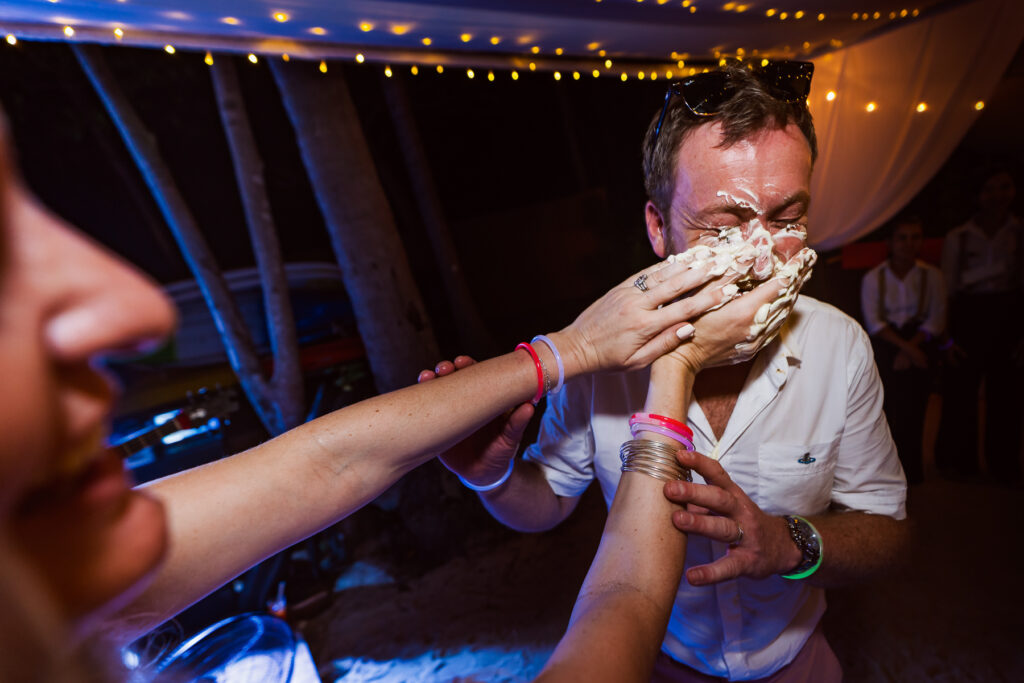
(983, 261)
(904, 305)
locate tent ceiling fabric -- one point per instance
(468, 31)
(947, 55)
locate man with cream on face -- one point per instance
(799, 486)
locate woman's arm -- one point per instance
(623, 607)
(228, 515)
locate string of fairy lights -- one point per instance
(598, 64)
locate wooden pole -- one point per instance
(389, 312)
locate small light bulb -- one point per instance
(253, 58)
(535, 49)
(365, 27)
(414, 70)
(495, 40)
(922, 107)
(119, 33)
(426, 41)
(799, 14)
(821, 17)
(830, 95)
(640, 75)
(979, 105)
(285, 57)
(764, 62)
(595, 73)
(208, 59)
(387, 70)
(623, 77)
(68, 31)
(693, 9)
(559, 51)
(681, 64)
(11, 39)
(318, 31)
(281, 17)
(515, 75)
(323, 66)
(607, 63)
(169, 49)
(469, 73)
(360, 58)
(871, 107)
(533, 67)
(490, 76)
(558, 75)
(783, 15)
(575, 75)
(230, 21)
(466, 37)
(440, 69)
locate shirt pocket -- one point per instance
(795, 478)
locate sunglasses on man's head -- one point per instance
(707, 93)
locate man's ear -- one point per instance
(656, 227)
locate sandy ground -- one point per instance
(494, 612)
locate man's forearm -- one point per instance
(526, 502)
(857, 546)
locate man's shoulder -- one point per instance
(814, 314)
(872, 274)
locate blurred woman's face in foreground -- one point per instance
(66, 508)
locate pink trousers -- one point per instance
(816, 663)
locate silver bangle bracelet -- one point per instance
(653, 458)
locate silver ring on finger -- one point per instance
(739, 537)
(641, 282)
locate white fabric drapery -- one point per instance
(871, 164)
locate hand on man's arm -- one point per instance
(525, 502)
(854, 545)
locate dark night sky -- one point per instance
(539, 179)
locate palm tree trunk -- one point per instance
(472, 332)
(286, 382)
(392, 321)
(143, 148)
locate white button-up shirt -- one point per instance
(903, 298)
(990, 264)
(807, 434)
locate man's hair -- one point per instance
(750, 111)
(905, 217)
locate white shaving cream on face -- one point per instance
(770, 316)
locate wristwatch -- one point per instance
(809, 542)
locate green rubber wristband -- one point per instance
(821, 553)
